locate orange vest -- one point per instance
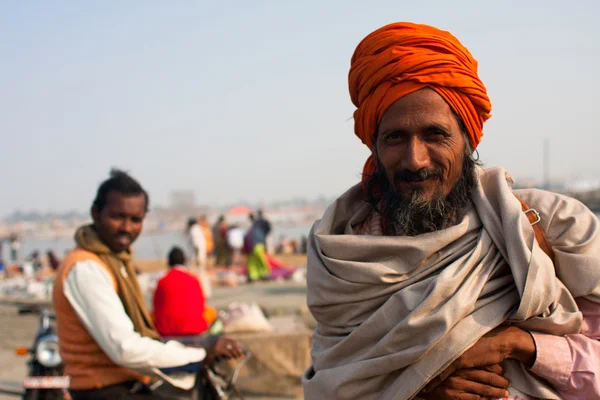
(210, 243)
(85, 362)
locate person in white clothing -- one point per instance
(107, 338)
(235, 241)
(198, 246)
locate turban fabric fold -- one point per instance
(403, 57)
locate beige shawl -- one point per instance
(393, 312)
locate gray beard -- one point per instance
(416, 214)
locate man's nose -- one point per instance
(127, 225)
(416, 155)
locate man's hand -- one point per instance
(504, 342)
(471, 384)
(223, 347)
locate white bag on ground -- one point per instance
(241, 317)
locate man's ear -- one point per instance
(374, 147)
(374, 152)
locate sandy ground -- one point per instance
(15, 330)
(19, 330)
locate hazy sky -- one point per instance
(249, 99)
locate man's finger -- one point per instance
(484, 377)
(233, 349)
(483, 390)
(453, 394)
(239, 353)
(496, 369)
(236, 350)
(232, 354)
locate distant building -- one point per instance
(182, 201)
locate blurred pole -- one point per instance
(546, 164)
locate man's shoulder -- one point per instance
(178, 273)
(78, 254)
(80, 258)
(545, 200)
(348, 207)
(559, 213)
(81, 265)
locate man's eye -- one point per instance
(393, 136)
(436, 135)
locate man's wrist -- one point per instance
(522, 346)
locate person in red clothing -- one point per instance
(179, 302)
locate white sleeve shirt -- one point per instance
(89, 288)
(198, 242)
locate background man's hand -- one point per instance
(471, 384)
(504, 342)
(223, 347)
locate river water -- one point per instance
(147, 246)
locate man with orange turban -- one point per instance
(432, 278)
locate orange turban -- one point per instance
(402, 58)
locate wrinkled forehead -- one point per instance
(418, 110)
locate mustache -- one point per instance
(418, 176)
(413, 214)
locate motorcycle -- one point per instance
(45, 379)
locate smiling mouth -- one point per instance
(124, 239)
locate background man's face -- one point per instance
(120, 222)
(420, 146)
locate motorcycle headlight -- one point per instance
(47, 353)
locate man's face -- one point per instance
(120, 222)
(420, 145)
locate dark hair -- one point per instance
(176, 257)
(119, 182)
(469, 145)
(51, 255)
(191, 222)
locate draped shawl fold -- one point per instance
(393, 312)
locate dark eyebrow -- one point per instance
(437, 127)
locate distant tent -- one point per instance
(239, 210)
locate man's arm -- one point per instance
(89, 288)
(571, 363)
